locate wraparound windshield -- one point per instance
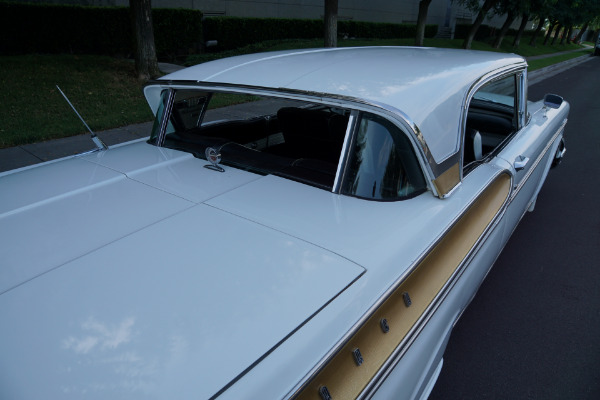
(295, 139)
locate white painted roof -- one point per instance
(427, 84)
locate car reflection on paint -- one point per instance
(316, 240)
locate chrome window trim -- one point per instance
(517, 70)
(428, 166)
(345, 154)
(522, 87)
(168, 107)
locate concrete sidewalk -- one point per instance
(30, 154)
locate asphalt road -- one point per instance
(533, 329)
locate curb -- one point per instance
(547, 72)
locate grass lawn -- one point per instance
(107, 95)
(544, 62)
(104, 91)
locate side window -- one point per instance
(382, 165)
(491, 119)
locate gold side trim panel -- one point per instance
(447, 180)
(349, 371)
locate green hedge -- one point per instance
(233, 32)
(360, 29)
(42, 28)
(462, 30)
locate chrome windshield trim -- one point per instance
(345, 154)
(169, 99)
(431, 169)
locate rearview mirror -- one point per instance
(552, 100)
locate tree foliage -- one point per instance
(563, 17)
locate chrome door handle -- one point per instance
(520, 162)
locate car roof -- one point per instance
(428, 85)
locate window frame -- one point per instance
(519, 118)
(167, 96)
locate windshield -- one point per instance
(294, 139)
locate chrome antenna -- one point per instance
(99, 143)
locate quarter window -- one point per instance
(382, 165)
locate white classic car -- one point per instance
(318, 239)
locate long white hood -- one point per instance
(118, 280)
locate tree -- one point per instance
(538, 29)
(512, 9)
(556, 33)
(524, 20)
(331, 10)
(567, 35)
(581, 32)
(550, 29)
(421, 19)
(510, 18)
(474, 5)
(146, 65)
(543, 10)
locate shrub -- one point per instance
(45, 28)
(234, 32)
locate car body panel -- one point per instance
(159, 322)
(137, 272)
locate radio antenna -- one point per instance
(99, 143)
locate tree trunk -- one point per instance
(550, 29)
(509, 20)
(478, 21)
(581, 32)
(146, 65)
(538, 29)
(556, 34)
(331, 11)
(421, 19)
(524, 20)
(567, 37)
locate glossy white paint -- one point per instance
(160, 298)
(429, 85)
(138, 273)
(268, 379)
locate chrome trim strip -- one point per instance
(430, 168)
(160, 139)
(427, 314)
(517, 68)
(412, 335)
(346, 148)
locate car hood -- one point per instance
(118, 280)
